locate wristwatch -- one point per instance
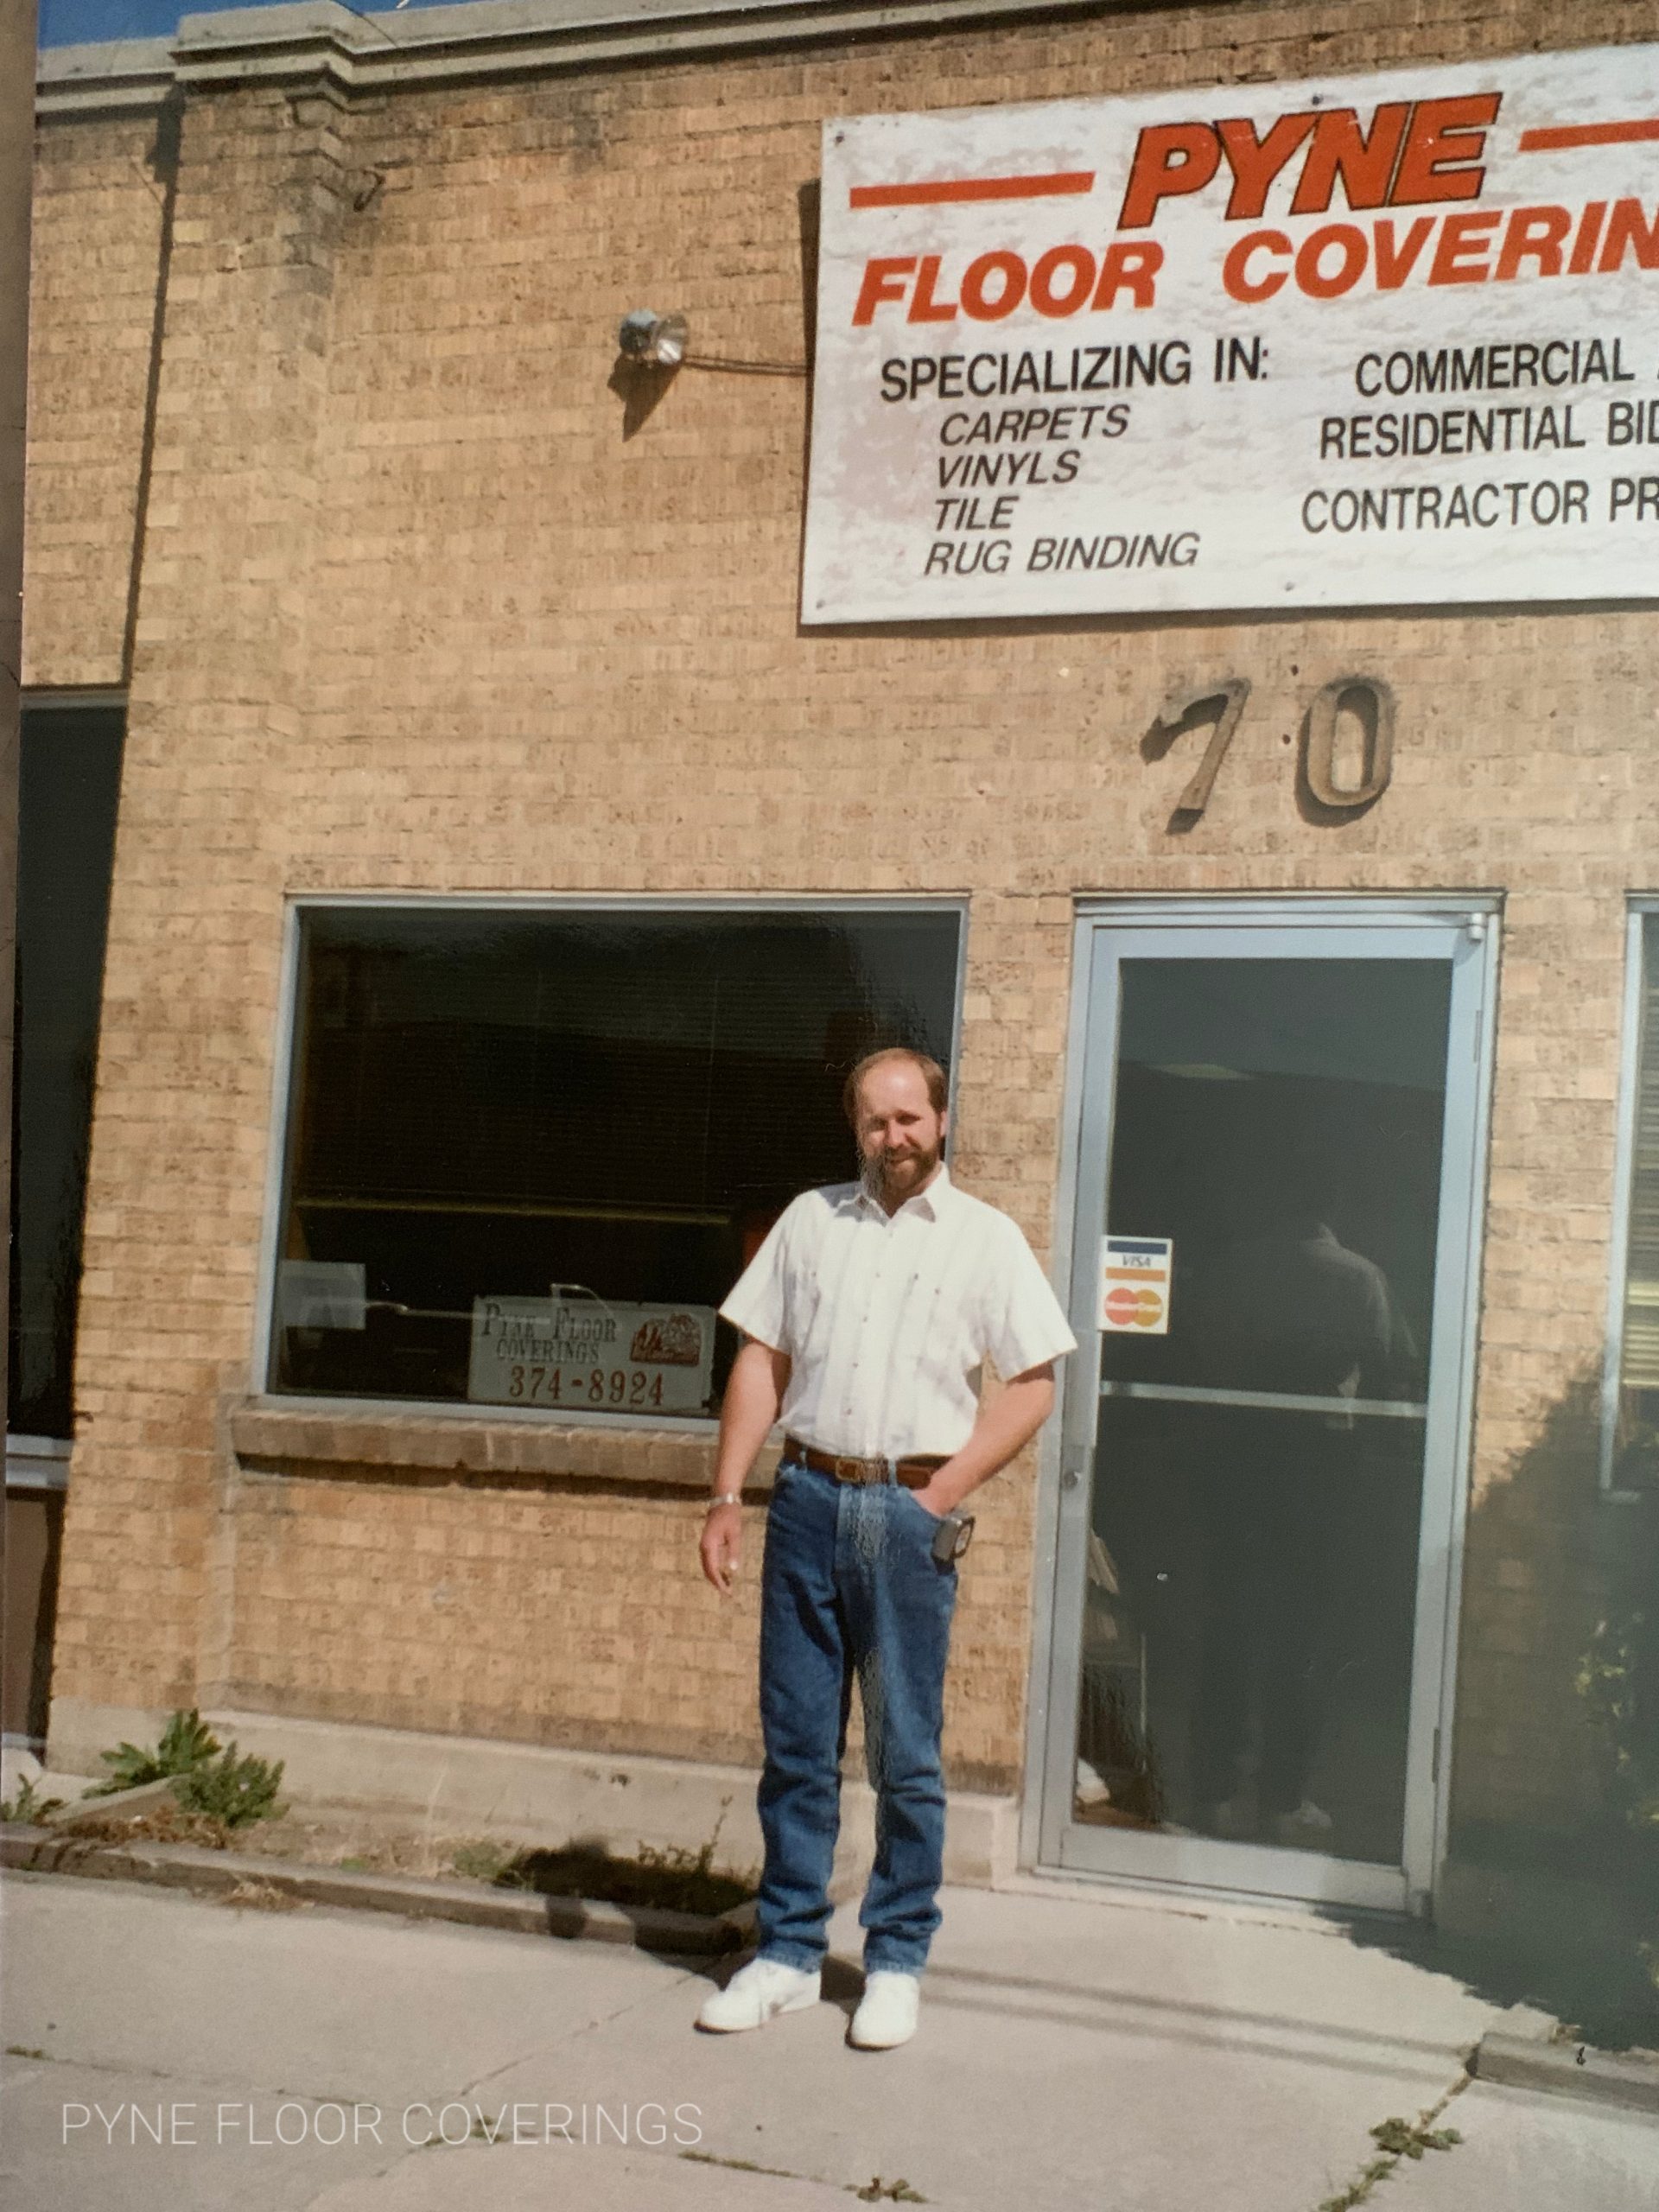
(726, 1497)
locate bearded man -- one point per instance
(868, 1316)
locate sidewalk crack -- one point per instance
(1397, 2139)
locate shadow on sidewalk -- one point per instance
(1551, 1885)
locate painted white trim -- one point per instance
(35, 1464)
(1429, 910)
(1425, 1860)
(94, 698)
(1055, 1458)
(282, 1085)
(630, 902)
(1638, 911)
(1215, 1868)
(1286, 1402)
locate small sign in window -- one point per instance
(1135, 1284)
(321, 1294)
(589, 1355)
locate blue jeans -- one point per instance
(849, 1586)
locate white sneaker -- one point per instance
(1092, 1787)
(1308, 1825)
(756, 1993)
(1234, 1817)
(887, 2012)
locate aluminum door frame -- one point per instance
(1463, 929)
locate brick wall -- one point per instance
(416, 614)
(99, 196)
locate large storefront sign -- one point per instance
(1390, 339)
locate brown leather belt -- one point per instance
(914, 1472)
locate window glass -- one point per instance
(1636, 1441)
(529, 1153)
(69, 779)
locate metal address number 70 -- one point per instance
(1370, 699)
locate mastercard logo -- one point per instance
(1135, 1309)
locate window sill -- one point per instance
(311, 1438)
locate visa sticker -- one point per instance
(1135, 1275)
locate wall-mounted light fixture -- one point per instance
(645, 336)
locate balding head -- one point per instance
(931, 1073)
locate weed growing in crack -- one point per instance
(186, 1743)
(28, 1807)
(1402, 2140)
(875, 2191)
(1398, 2138)
(739, 2165)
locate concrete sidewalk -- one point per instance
(1073, 2051)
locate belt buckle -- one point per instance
(862, 1472)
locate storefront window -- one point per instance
(69, 781)
(1635, 1429)
(528, 1152)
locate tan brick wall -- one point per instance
(416, 614)
(96, 246)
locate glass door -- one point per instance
(1277, 1131)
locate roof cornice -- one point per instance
(129, 72)
(308, 40)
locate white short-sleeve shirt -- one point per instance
(887, 1321)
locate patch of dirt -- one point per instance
(675, 1881)
(161, 1823)
(356, 1845)
(264, 1896)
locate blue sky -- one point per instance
(74, 22)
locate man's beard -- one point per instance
(877, 1178)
